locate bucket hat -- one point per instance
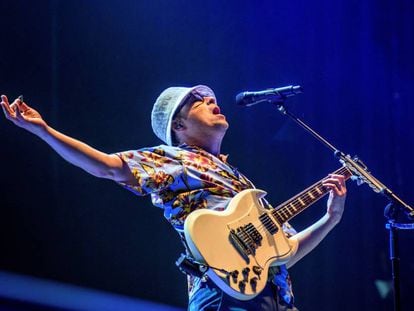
(167, 104)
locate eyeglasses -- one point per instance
(192, 97)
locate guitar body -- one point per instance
(238, 244)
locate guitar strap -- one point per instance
(183, 240)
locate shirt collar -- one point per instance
(197, 149)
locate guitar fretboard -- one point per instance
(307, 197)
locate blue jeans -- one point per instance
(211, 298)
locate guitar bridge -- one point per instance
(246, 239)
(239, 245)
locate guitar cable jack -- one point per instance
(188, 265)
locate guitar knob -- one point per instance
(242, 286)
(257, 270)
(253, 283)
(234, 275)
(246, 271)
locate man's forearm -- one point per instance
(74, 151)
(80, 154)
(309, 238)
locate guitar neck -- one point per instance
(306, 198)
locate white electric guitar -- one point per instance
(238, 245)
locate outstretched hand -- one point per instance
(22, 115)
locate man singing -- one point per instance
(186, 173)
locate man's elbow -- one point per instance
(110, 167)
(119, 171)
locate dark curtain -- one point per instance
(94, 68)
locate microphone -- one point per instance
(270, 95)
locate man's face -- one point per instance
(201, 116)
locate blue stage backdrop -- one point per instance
(94, 68)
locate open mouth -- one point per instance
(216, 110)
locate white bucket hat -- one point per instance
(167, 104)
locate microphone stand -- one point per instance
(362, 175)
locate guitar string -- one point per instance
(283, 214)
(261, 228)
(304, 195)
(303, 199)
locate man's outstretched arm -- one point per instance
(74, 151)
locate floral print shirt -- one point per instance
(186, 178)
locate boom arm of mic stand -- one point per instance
(358, 169)
(378, 187)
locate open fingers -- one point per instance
(336, 183)
(13, 111)
(18, 113)
(13, 107)
(338, 190)
(6, 107)
(4, 99)
(23, 107)
(3, 107)
(18, 105)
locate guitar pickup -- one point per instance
(268, 223)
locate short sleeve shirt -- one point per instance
(186, 178)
